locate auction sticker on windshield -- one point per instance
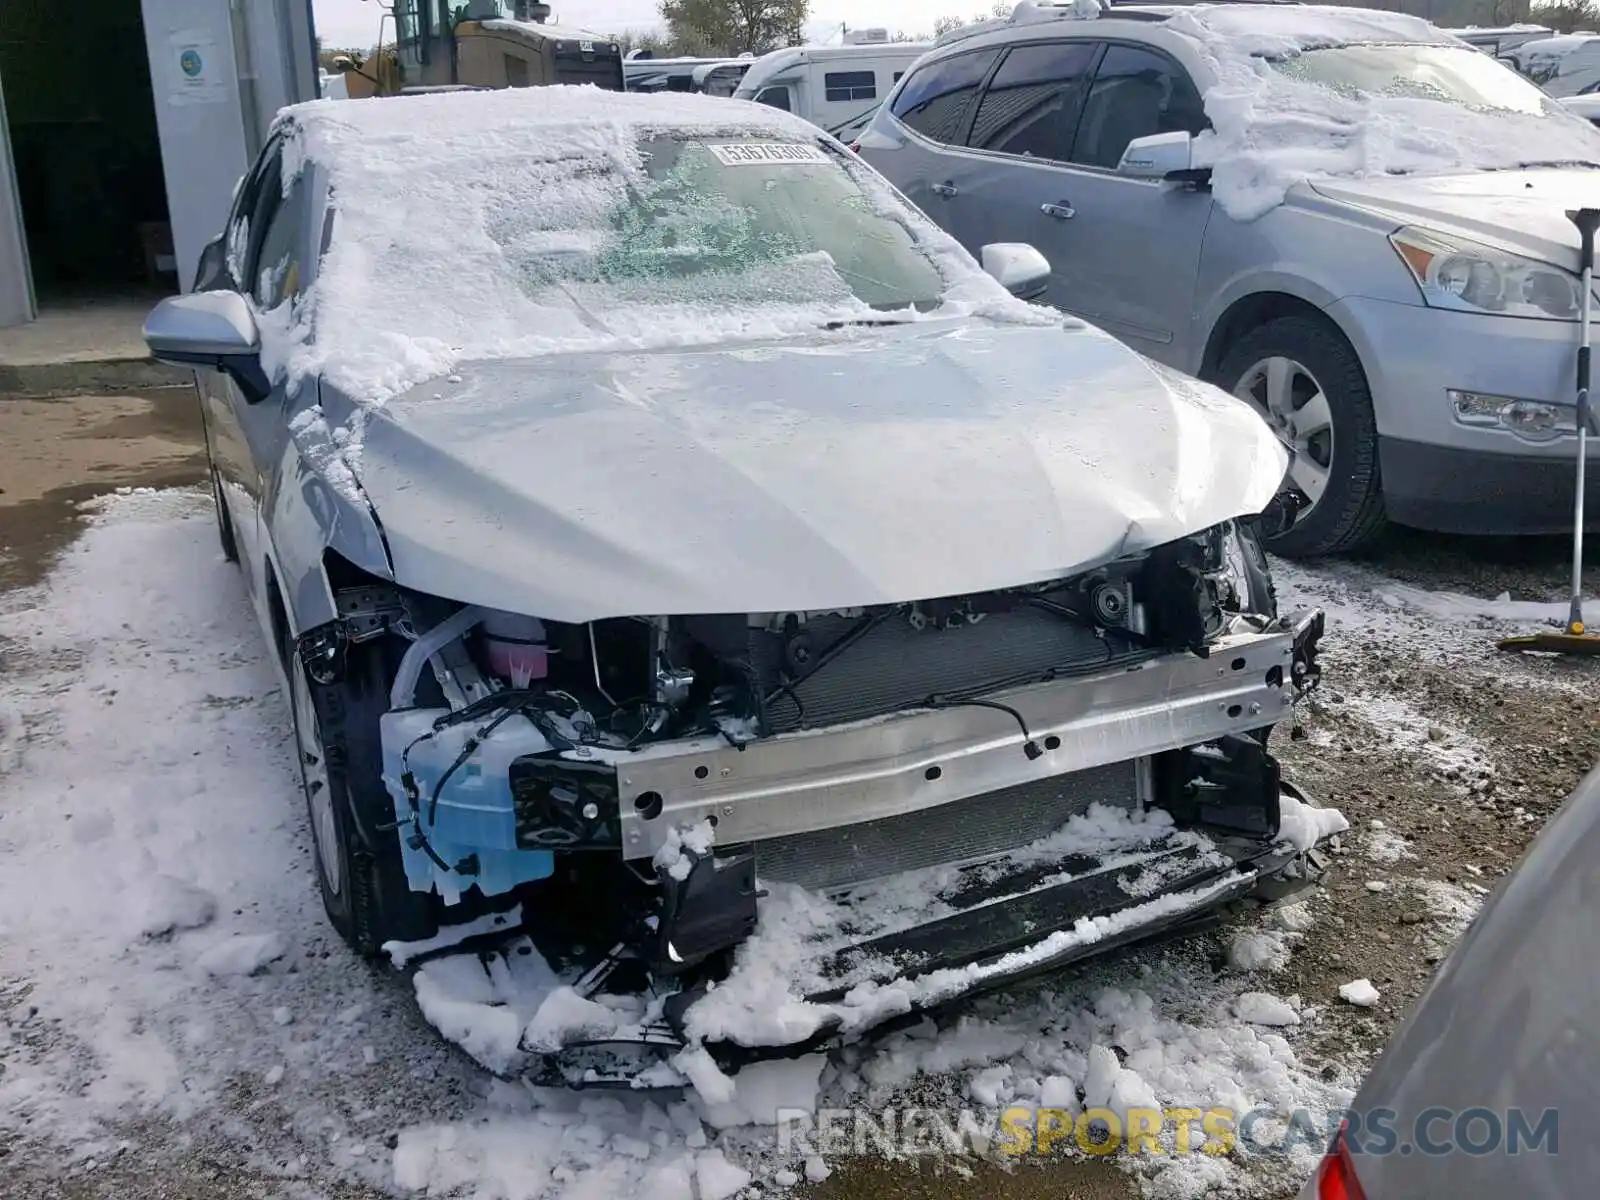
(746, 154)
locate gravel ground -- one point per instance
(1446, 756)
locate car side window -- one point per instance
(241, 227)
(776, 96)
(937, 99)
(1136, 92)
(275, 265)
(1032, 105)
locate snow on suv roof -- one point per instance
(1303, 92)
(1265, 28)
(1306, 25)
(1299, 91)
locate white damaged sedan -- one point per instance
(687, 562)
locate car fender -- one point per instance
(314, 504)
(1309, 250)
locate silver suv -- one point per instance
(1348, 218)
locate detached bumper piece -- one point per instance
(1000, 922)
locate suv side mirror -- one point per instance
(1162, 156)
(210, 329)
(1018, 268)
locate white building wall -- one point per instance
(220, 71)
(16, 282)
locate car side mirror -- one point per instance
(1162, 156)
(1019, 268)
(210, 329)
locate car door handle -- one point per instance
(1060, 211)
(946, 189)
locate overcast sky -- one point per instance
(355, 22)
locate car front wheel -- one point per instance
(362, 880)
(1304, 379)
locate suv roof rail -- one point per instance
(1027, 12)
(1033, 12)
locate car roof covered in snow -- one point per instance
(509, 118)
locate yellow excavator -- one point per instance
(437, 45)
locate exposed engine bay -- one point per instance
(641, 783)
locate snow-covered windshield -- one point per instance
(724, 222)
(1446, 73)
(520, 222)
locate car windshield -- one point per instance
(728, 222)
(1452, 74)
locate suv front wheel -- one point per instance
(1305, 380)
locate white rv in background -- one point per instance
(835, 87)
(1500, 41)
(641, 72)
(722, 78)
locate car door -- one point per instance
(224, 268)
(1130, 247)
(1020, 137)
(931, 170)
(271, 276)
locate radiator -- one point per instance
(895, 665)
(961, 831)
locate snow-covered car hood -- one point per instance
(1523, 211)
(857, 468)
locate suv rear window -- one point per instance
(1032, 104)
(937, 98)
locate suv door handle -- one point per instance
(946, 189)
(1060, 211)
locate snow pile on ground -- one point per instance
(163, 930)
(1272, 130)
(1303, 825)
(1266, 950)
(1452, 907)
(1363, 603)
(1359, 992)
(242, 953)
(1433, 741)
(1383, 846)
(163, 938)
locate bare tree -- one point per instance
(1567, 16)
(735, 26)
(633, 39)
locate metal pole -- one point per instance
(1587, 221)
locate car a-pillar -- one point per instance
(1290, 361)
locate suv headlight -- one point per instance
(1470, 277)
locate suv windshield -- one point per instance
(725, 222)
(1452, 74)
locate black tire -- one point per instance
(370, 902)
(230, 547)
(1350, 513)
